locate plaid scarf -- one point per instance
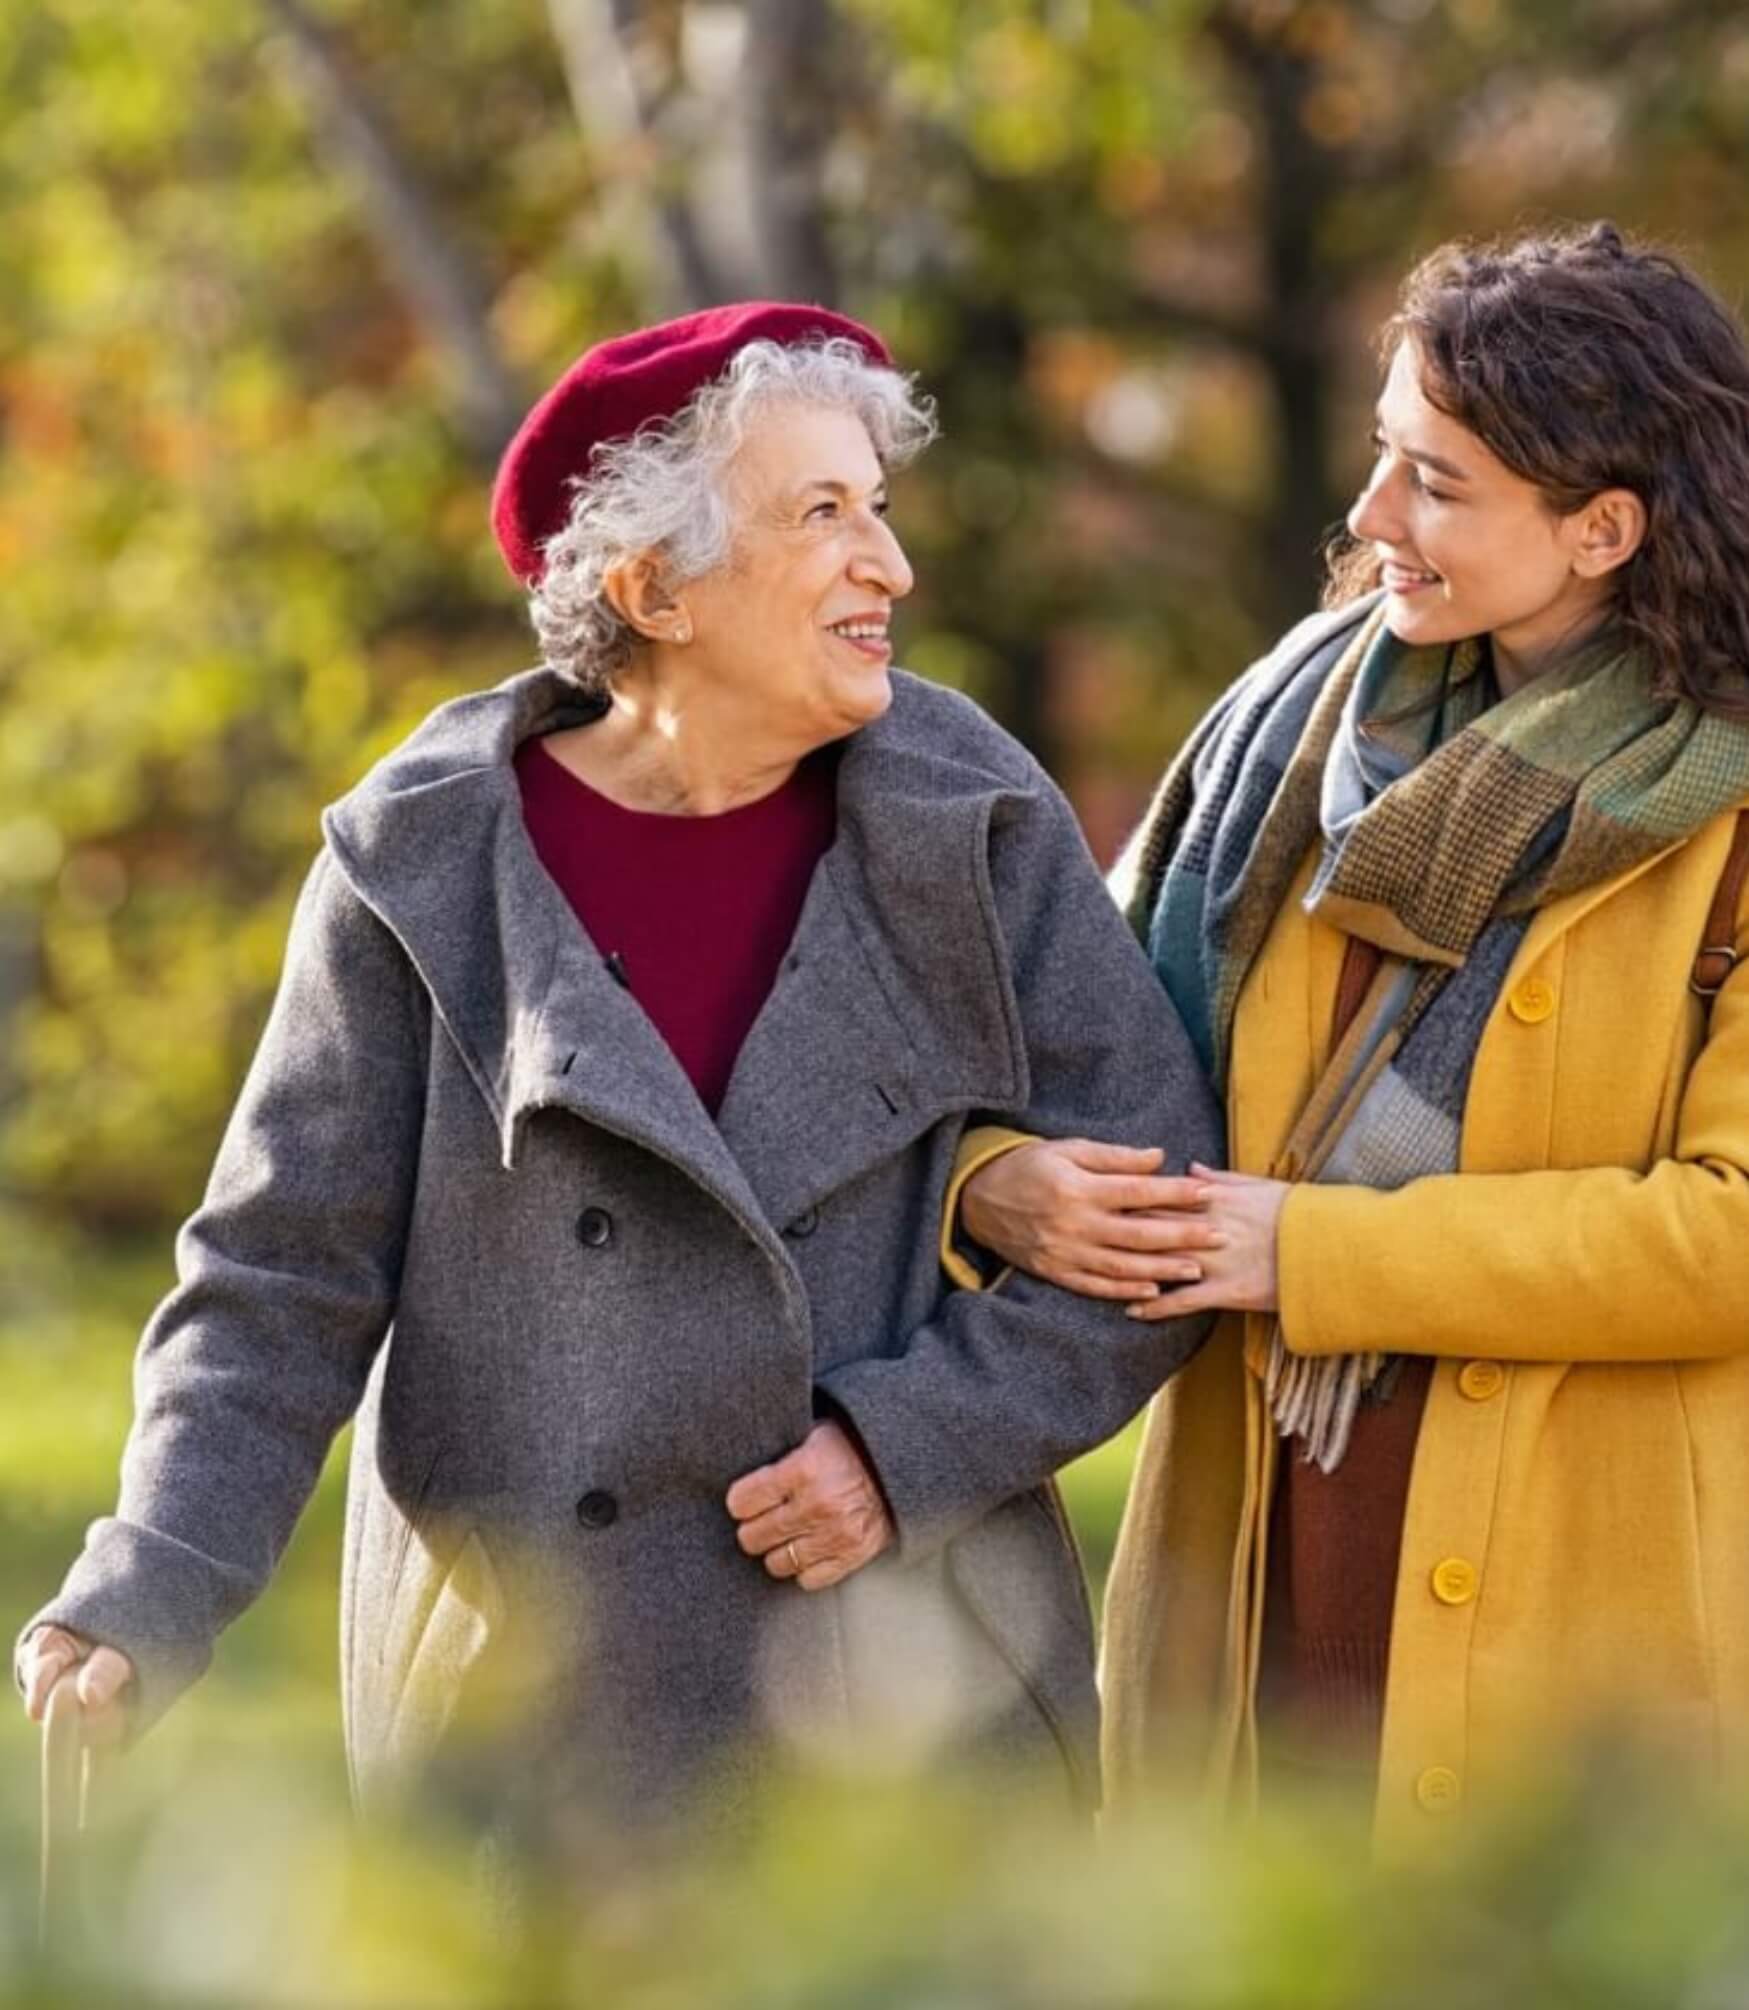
(1445, 816)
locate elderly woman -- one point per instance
(631, 1018)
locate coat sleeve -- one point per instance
(287, 1275)
(1599, 1264)
(1001, 1387)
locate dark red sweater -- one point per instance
(1334, 1544)
(694, 913)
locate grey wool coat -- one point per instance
(469, 1194)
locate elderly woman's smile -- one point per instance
(870, 636)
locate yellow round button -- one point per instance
(1532, 1001)
(1481, 1379)
(1455, 1581)
(1438, 1790)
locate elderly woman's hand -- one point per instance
(104, 1676)
(1097, 1219)
(814, 1516)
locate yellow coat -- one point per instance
(1582, 1472)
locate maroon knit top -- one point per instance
(693, 913)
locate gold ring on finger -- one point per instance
(795, 1562)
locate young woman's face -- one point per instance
(1469, 548)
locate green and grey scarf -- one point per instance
(1445, 816)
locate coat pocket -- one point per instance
(1019, 1575)
(463, 1613)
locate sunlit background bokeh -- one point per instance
(277, 278)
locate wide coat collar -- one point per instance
(893, 1007)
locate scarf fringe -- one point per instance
(1316, 1398)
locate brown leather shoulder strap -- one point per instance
(1360, 962)
(1718, 946)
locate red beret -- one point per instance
(612, 389)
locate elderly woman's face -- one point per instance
(796, 621)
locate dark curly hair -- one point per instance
(1586, 362)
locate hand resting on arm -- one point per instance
(1100, 1220)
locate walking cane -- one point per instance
(66, 1776)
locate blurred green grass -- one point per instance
(225, 1871)
(231, 1819)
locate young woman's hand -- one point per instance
(1097, 1219)
(1240, 1275)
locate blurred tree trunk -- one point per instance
(20, 974)
(981, 591)
(1299, 184)
(795, 80)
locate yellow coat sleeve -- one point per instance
(1599, 1264)
(977, 1148)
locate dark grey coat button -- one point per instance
(804, 1224)
(597, 1509)
(595, 1228)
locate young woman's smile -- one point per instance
(1466, 546)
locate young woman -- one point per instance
(1465, 1469)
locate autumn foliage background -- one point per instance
(277, 279)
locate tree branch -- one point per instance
(447, 294)
(1603, 51)
(648, 48)
(1608, 46)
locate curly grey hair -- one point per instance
(663, 490)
